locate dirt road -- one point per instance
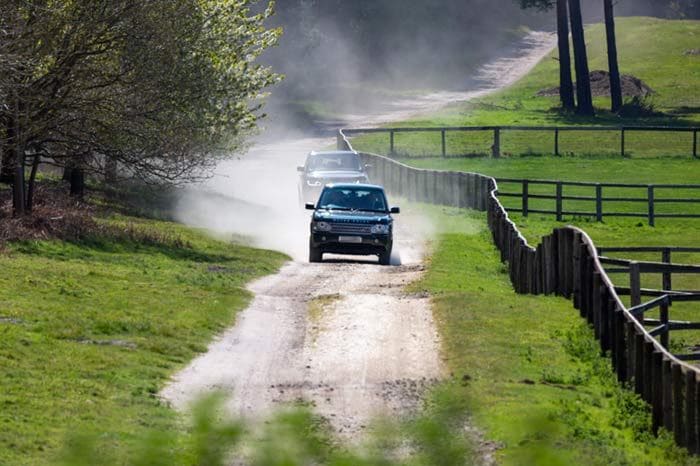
(343, 335)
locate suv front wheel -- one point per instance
(315, 254)
(385, 257)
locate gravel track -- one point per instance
(368, 347)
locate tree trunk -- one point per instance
(7, 164)
(583, 78)
(615, 86)
(566, 86)
(18, 185)
(31, 183)
(77, 182)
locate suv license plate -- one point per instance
(350, 239)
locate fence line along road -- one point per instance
(566, 263)
(556, 144)
(654, 196)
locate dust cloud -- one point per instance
(255, 196)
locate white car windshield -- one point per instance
(372, 200)
(334, 162)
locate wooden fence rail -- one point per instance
(651, 199)
(566, 263)
(498, 132)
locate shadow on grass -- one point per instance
(606, 117)
(116, 242)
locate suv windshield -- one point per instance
(353, 199)
(334, 162)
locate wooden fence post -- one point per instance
(650, 200)
(559, 201)
(635, 285)
(606, 331)
(496, 148)
(622, 346)
(695, 143)
(576, 269)
(556, 142)
(525, 197)
(667, 383)
(677, 382)
(631, 344)
(691, 431)
(657, 404)
(622, 142)
(569, 250)
(648, 371)
(663, 317)
(666, 276)
(598, 202)
(639, 374)
(444, 144)
(596, 306)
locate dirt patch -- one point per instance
(600, 86)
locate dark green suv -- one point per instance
(351, 219)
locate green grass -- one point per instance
(91, 331)
(528, 365)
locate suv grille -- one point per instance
(351, 228)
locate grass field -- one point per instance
(90, 331)
(529, 366)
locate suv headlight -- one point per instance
(313, 182)
(380, 229)
(321, 226)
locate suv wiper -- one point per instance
(334, 208)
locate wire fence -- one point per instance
(497, 141)
(600, 200)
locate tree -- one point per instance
(613, 67)
(583, 79)
(566, 87)
(164, 88)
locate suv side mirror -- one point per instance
(300, 169)
(309, 206)
(395, 210)
(368, 166)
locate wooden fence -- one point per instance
(567, 263)
(556, 146)
(655, 195)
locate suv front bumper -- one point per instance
(351, 244)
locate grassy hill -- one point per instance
(90, 330)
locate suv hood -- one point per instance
(346, 216)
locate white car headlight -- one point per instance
(380, 229)
(322, 226)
